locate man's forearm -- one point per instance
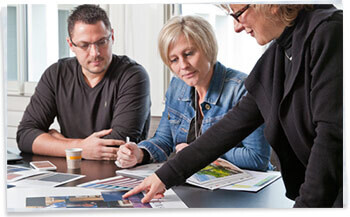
(94, 147)
(54, 145)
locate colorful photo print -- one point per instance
(106, 200)
(134, 200)
(218, 169)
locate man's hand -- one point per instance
(181, 146)
(95, 148)
(153, 186)
(129, 155)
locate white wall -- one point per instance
(136, 29)
(42, 39)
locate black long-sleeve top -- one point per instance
(303, 116)
(121, 101)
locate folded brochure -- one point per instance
(218, 174)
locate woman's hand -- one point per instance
(129, 155)
(153, 186)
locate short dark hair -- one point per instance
(89, 14)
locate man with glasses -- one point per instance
(98, 98)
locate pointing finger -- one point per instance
(154, 193)
(136, 190)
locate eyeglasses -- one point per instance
(239, 13)
(85, 46)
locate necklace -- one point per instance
(289, 57)
(197, 131)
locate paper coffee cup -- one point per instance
(73, 156)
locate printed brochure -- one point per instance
(218, 174)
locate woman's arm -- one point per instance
(253, 154)
(239, 122)
(236, 125)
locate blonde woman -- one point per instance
(200, 94)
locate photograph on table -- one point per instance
(112, 199)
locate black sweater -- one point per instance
(304, 118)
(121, 101)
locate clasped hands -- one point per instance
(94, 146)
(97, 148)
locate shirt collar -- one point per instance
(215, 87)
(285, 40)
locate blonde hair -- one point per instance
(286, 13)
(193, 28)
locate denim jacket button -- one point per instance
(207, 106)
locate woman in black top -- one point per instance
(296, 89)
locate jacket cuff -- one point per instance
(168, 176)
(146, 157)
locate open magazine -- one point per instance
(216, 175)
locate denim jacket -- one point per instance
(225, 90)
